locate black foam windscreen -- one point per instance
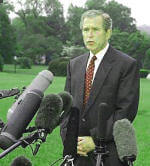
(49, 112)
(21, 161)
(67, 100)
(67, 103)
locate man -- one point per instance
(104, 75)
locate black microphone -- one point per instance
(22, 116)
(21, 161)
(125, 140)
(40, 82)
(100, 149)
(8, 93)
(67, 103)
(70, 143)
(103, 116)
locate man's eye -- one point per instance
(85, 30)
(95, 29)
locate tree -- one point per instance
(73, 25)
(119, 40)
(40, 34)
(95, 4)
(55, 19)
(137, 46)
(29, 8)
(7, 36)
(121, 16)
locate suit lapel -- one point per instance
(81, 79)
(101, 74)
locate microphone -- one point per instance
(23, 114)
(21, 161)
(8, 93)
(103, 115)
(41, 83)
(100, 149)
(125, 140)
(49, 112)
(67, 103)
(48, 117)
(70, 143)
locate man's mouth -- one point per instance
(90, 42)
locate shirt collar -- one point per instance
(101, 53)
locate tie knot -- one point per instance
(93, 58)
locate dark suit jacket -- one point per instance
(116, 83)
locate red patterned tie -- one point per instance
(88, 79)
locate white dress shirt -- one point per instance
(99, 56)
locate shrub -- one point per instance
(144, 73)
(147, 60)
(73, 51)
(24, 62)
(1, 63)
(59, 66)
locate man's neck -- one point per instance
(101, 50)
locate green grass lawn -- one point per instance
(52, 149)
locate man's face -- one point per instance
(94, 36)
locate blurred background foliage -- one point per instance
(41, 33)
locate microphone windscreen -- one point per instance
(67, 100)
(103, 116)
(67, 103)
(125, 140)
(48, 114)
(21, 161)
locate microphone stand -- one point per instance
(14, 146)
(129, 160)
(25, 142)
(101, 152)
(9, 93)
(68, 161)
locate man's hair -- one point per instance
(107, 21)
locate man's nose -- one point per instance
(90, 33)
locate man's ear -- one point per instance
(108, 33)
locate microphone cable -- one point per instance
(67, 160)
(27, 143)
(55, 162)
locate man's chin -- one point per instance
(91, 48)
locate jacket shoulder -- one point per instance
(79, 57)
(121, 56)
(79, 60)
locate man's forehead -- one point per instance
(94, 21)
